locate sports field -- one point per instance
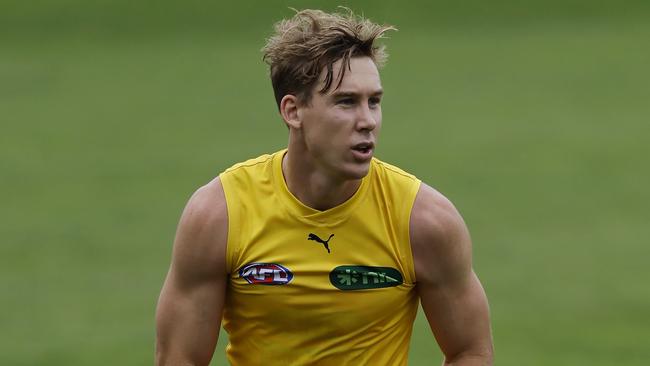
(533, 117)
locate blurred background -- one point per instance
(532, 116)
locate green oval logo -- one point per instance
(364, 277)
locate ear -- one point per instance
(289, 111)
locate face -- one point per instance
(340, 128)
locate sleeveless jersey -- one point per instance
(309, 287)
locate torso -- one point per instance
(289, 299)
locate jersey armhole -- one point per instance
(232, 243)
(407, 253)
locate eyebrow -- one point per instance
(344, 94)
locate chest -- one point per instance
(341, 277)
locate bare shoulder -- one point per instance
(207, 205)
(440, 241)
(200, 244)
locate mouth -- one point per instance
(363, 151)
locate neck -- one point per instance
(312, 186)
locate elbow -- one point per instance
(165, 358)
(160, 356)
(484, 357)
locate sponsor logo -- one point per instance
(266, 274)
(364, 277)
(325, 243)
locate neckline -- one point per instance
(302, 212)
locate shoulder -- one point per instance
(399, 186)
(440, 241)
(383, 168)
(434, 215)
(242, 177)
(254, 163)
(202, 233)
(207, 206)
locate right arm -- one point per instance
(188, 316)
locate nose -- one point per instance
(367, 118)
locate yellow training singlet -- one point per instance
(309, 287)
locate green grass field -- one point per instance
(533, 118)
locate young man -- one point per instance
(319, 253)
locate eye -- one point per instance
(374, 101)
(345, 101)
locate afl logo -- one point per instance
(266, 274)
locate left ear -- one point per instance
(289, 111)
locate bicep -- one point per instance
(189, 310)
(458, 315)
(188, 320)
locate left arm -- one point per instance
(450, 292)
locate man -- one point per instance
(318, 254)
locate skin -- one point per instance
(450, 293)
(189, 310)
(322, 171)
(320, 167)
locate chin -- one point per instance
(356, 171)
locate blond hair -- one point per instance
(312, 41)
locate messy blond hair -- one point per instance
(312, 41)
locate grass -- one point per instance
(538, 133)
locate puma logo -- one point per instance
(315, 238)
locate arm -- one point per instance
(188, 316)
(450, 293)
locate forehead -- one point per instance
(361, 77)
